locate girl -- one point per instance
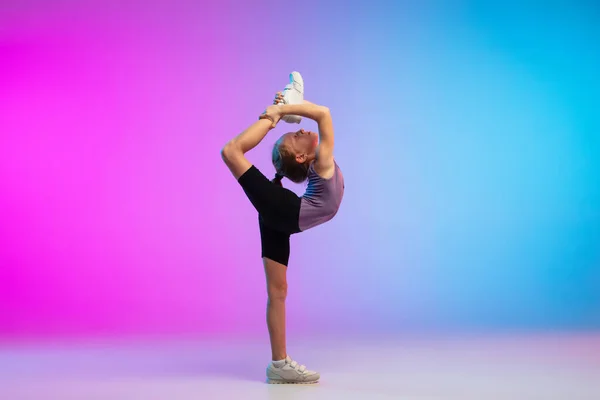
(298, 156)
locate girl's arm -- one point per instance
(233, 152)
(324, 164)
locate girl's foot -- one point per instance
(293, 93)
(288, 371)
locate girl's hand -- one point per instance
(272, 113)
(278, 98)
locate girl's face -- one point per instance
(303, 143)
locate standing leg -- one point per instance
(277, 291)
(276, 254)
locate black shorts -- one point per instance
(278, 212)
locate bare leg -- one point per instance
(277, 291)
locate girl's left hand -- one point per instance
(272, 113)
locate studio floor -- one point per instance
(528, 367)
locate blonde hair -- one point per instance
(285, 163)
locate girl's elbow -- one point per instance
(229, 151)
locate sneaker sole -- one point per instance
(282, 382)
(294, 119)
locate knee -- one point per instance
(277, 292)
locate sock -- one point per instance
(279, 364)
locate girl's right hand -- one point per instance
(278, 98)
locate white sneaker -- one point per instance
(291, 372)
(293, 93)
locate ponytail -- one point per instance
(277, 179)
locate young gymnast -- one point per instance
(298, 156)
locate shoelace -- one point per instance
(297, 367)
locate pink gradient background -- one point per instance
(113, 194)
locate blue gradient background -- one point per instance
(470, 136)
(468, 133)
